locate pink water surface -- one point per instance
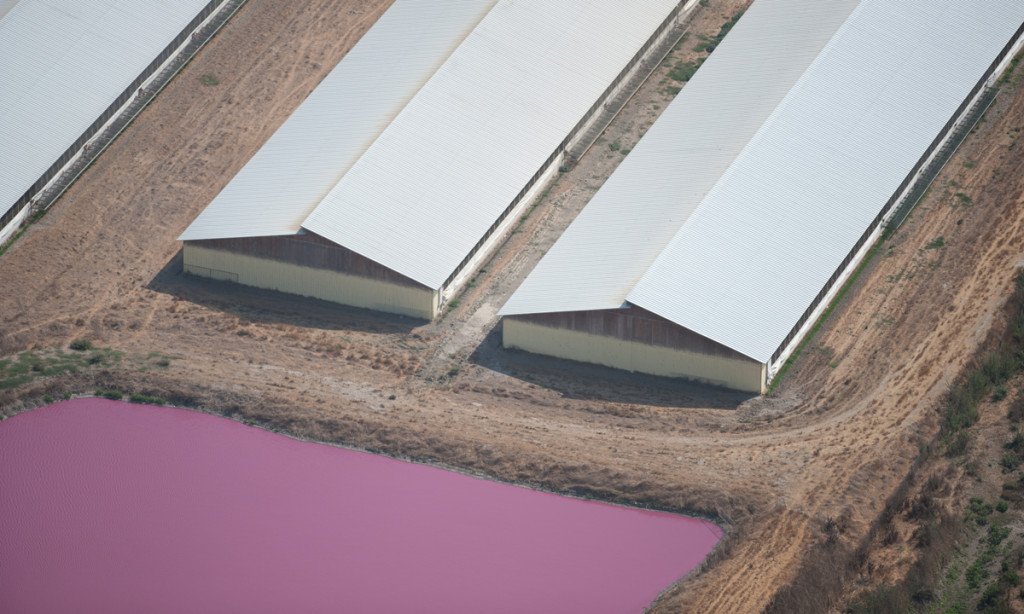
(109, 507)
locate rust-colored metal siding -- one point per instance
(324, 284)
(632, 324)
(309, 250)
(635, 356)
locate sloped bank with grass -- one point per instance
(951, 537)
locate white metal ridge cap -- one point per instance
(544, 290)
(650, 293)
(313, 219)
(219, 218)
(326, 219)
(5, 7)
(639, 294)
(540, 291)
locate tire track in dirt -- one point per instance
(150, 192)
(881, 423)
(464, 329)
(864, 390)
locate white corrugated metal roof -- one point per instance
(439, 176)
(774, 230)
(296, 168)
(634, 215)
(62, 63)
(746, 264)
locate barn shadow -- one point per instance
(272, 307)
(583, 381)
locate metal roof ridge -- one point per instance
(6, 6)
(329, 186)
(394, 118)
(405, 106)
(754, 140)
(373, 199)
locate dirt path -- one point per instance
(834, 441)
(117, 227)
(869, 384)
(460, 333)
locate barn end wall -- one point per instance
(736, 373)
(307, 249)
(324, 284)
(548, 172)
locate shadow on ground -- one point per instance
(271, 307)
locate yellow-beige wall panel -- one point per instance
(745, 375)
(306, 281)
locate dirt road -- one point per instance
(837, 437)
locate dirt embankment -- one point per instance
(834, 442)
(865, 393)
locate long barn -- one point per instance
(404, 169)
(69, 68)
(720, 239)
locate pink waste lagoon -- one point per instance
(110, 507)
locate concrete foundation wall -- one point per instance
(549, 171)
(11, 228)
(923, 172)
(746, 375)
(316, 283)
(98, 136)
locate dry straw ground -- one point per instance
(834, 441)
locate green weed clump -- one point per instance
(708, 44)
(109, 393)
(30, 365)
(146, 399)
(978, 510)
(1008, 74)
(997, 534)
(81, 345)
(683, 71)
(985, 380)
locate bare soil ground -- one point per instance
(834, 441)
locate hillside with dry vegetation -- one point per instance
(833, 488)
